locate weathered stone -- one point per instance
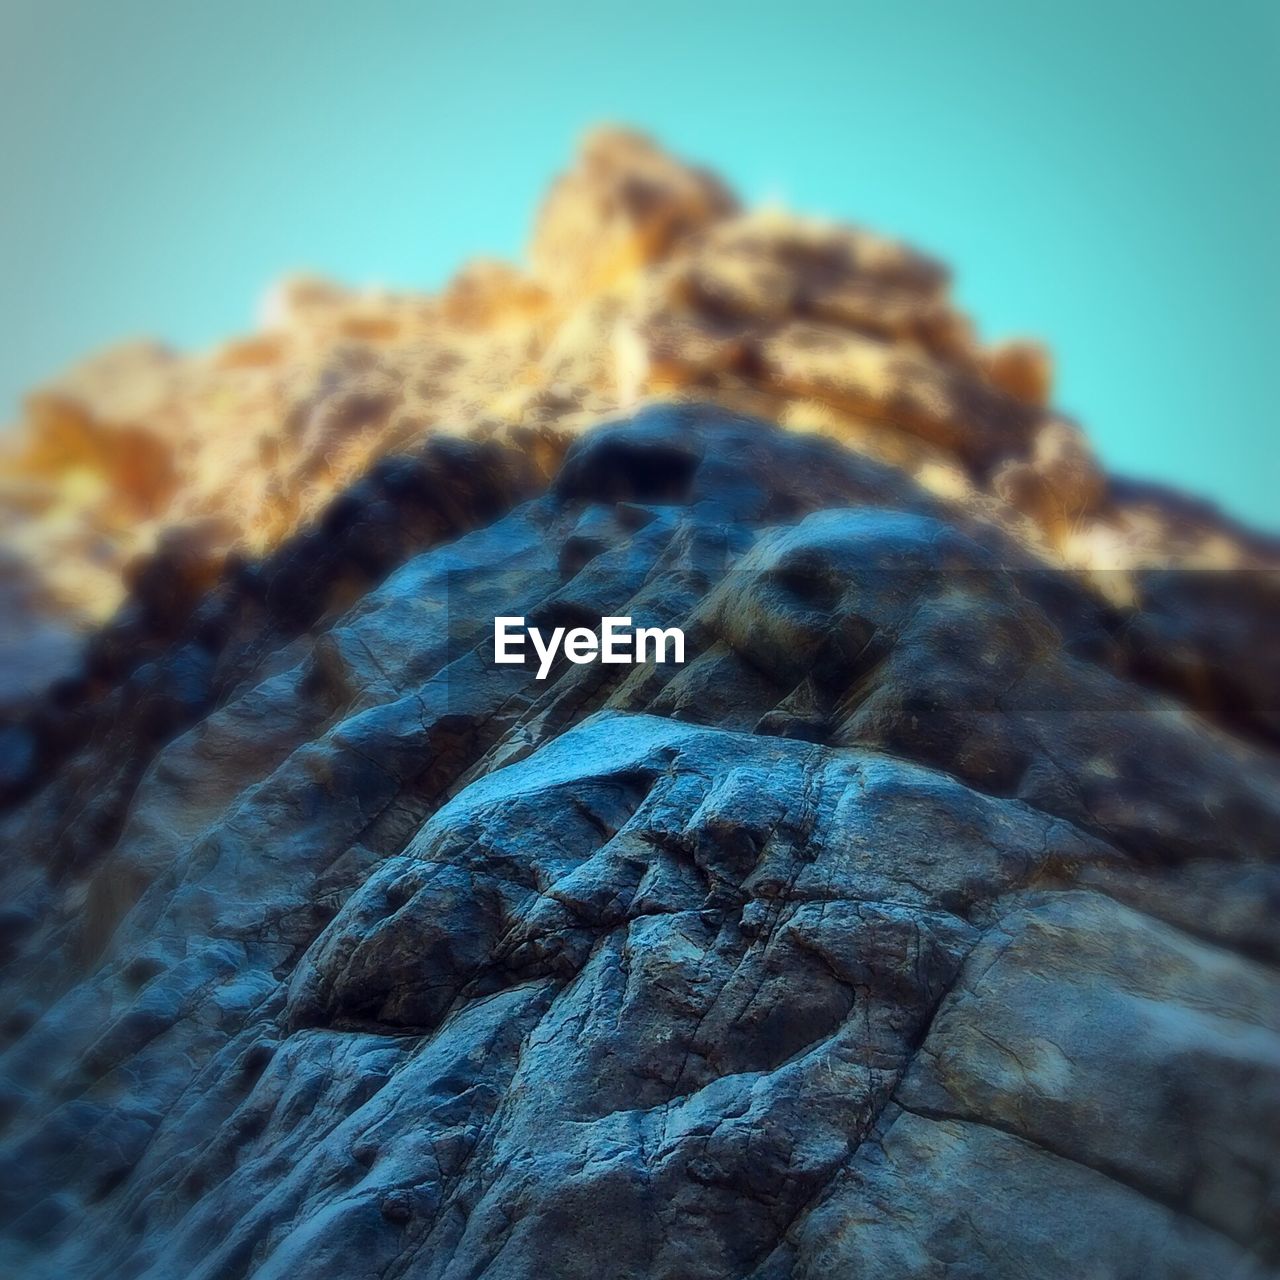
(900, 931)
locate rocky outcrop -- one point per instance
(645, 280)
(921, 923)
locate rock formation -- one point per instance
(920, 924)
(645, 280)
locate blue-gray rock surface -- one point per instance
(921, 924)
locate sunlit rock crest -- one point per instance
(645, 279)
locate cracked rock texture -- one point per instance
(922, 924)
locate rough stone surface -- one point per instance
(921, 924)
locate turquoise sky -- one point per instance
(1103, 175)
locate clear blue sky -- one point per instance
(1101, 174)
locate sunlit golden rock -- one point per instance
(1021, 369)
(624, 204)
(1060, 486)
(644, 281)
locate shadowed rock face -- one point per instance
(921, 924)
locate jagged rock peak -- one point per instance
(624, 204)
(646, 281)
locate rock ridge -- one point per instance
(646, 280)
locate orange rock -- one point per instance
(644, 280)
(625, 204)
(1021, 369)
